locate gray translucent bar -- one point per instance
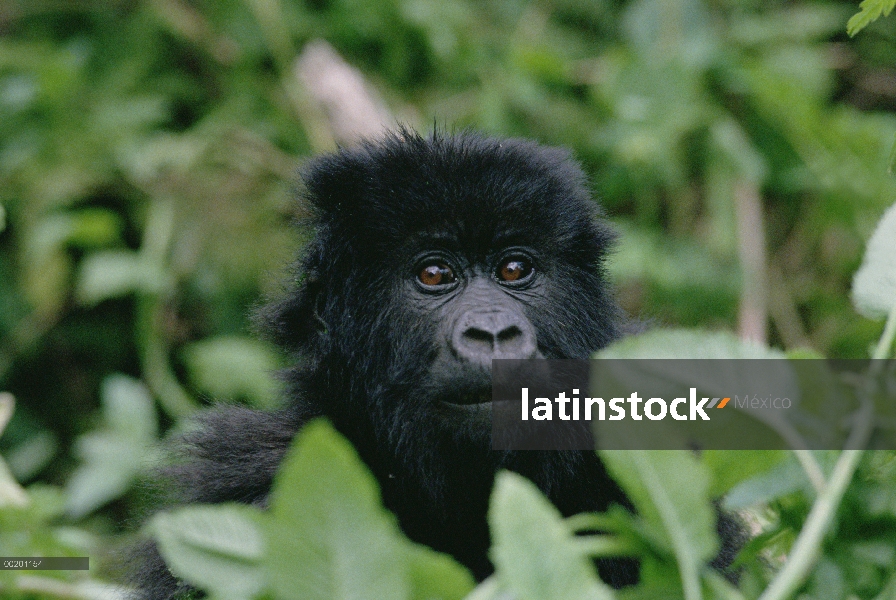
(761, 404)
(44, 563)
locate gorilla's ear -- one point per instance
(293, 321)
(336, 184)
(333, 189)
(333, 183)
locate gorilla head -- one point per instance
(432, 256)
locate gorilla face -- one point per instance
(433, 257)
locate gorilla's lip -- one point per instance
(451, 410)
(469, 398)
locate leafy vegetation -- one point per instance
(146, 159)
(871, 10)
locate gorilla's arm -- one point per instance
(232, 455)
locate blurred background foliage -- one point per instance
(147, 153)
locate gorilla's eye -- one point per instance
(514, 269)
(436, 274)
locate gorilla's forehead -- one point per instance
(475, 201)
(474, 223)
(470, 191)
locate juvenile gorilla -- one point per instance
(431, 256)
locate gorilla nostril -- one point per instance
(509, 334)
(485, 336)
(479, 337)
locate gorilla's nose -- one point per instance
(481, 336)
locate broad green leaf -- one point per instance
(94, 227)
(871, 10)
(28, 458)
(874, 286)
(215, 548)
(489, 589)
(7, 406)
(781, 479)
(889, 590)
(730, 467)
(128, 408)
(670, 490)
(86, 228)
(114, 455)
(11, 493)
(437, 576)
(232, 367)
(329, 538)
(535, 555)
(684, 343)
(725, 377)
(891, 162)
(111, 274)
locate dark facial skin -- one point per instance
(481, 311)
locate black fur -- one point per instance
(366, 341)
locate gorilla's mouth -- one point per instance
(470, 398)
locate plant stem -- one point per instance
(806, 550)
(593, 522)
(882, 350)
(601, 546)
(812, 468)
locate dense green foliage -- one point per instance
(147, 151)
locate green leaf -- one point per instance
(94, 227)
(490, 589)
(535, 555)
(874, 286)
(670, 490)
(891, 162)
(215, 548)
(785, 477)
(28, 458)
(684, 343)
(329, 538)
(871, 10)
(436, 576)
(234, 367)
(113, 456)
(889, 590)
(111, 274)
(86, 228)
(730, 467)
